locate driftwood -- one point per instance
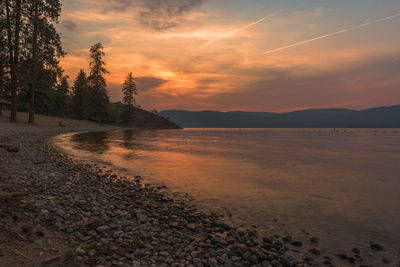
(19, 253)
(52, 259)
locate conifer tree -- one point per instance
(42, 42)
(13, 23)
(79, 97)
(98, 87)
(129, 91)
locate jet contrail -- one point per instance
(240, 29)
(331, 34)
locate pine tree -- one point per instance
(14, 23)
(79, 98)
(61, 97)
(98, 87)
(129, 91)
(42, 41)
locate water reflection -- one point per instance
(98, 142)
(342, 186)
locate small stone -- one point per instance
(351, 260)
(80, 252)
(13, 149)
(173, 224)
(376, 246)
(92, 233)
(314, 240)
(314, 251)
(197, 262)
(296, 244)
(164, 253)
(355, 251)
(287, 238)
(213, 262)
(191, 226)
(341, 256)
(40, 233)
(26, 228)
(102, 229)
(228, 263)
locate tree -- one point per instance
(80, 94)
(61, 97)
(13, 14)
(42, 41)
(3, 52)
(98, 90)
(129, 91)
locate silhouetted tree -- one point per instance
(61, 97)
(80, 95)
(14, 23)
(129, 91)
(3, 51)
(42, 42)
(98, 89)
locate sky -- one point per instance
(253, 55)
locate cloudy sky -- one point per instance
(221, 54)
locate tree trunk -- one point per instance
(14, 54)
(34, 66)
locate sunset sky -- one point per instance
(210, 54)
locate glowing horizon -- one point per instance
(202, 55)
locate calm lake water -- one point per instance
(342, 187)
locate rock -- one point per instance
(197, 262)
(296, 244)
(376, 246)
(26, 228)
(355, 251)
(341, 256)
(195, 254)
(191, 226)
(80, 252)
(228, 263)
(102, 229)
(351, 260)
(314, 240)
(213, 262)
(13, 149)
(40, 233)
(164, 253)
(314, 251)
(174, 224)
(38, 242)
(92, 233)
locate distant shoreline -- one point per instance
(380, 117)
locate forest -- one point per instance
(32, 79)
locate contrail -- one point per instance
(331, 34)
(240, 29)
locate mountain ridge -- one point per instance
(377, 117)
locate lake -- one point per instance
(342, 187)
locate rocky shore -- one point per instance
(59, 211)
(107, 220)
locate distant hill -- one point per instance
(381, 117)
(146, 119)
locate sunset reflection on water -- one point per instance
(342, 187)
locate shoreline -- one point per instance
(109, 220)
